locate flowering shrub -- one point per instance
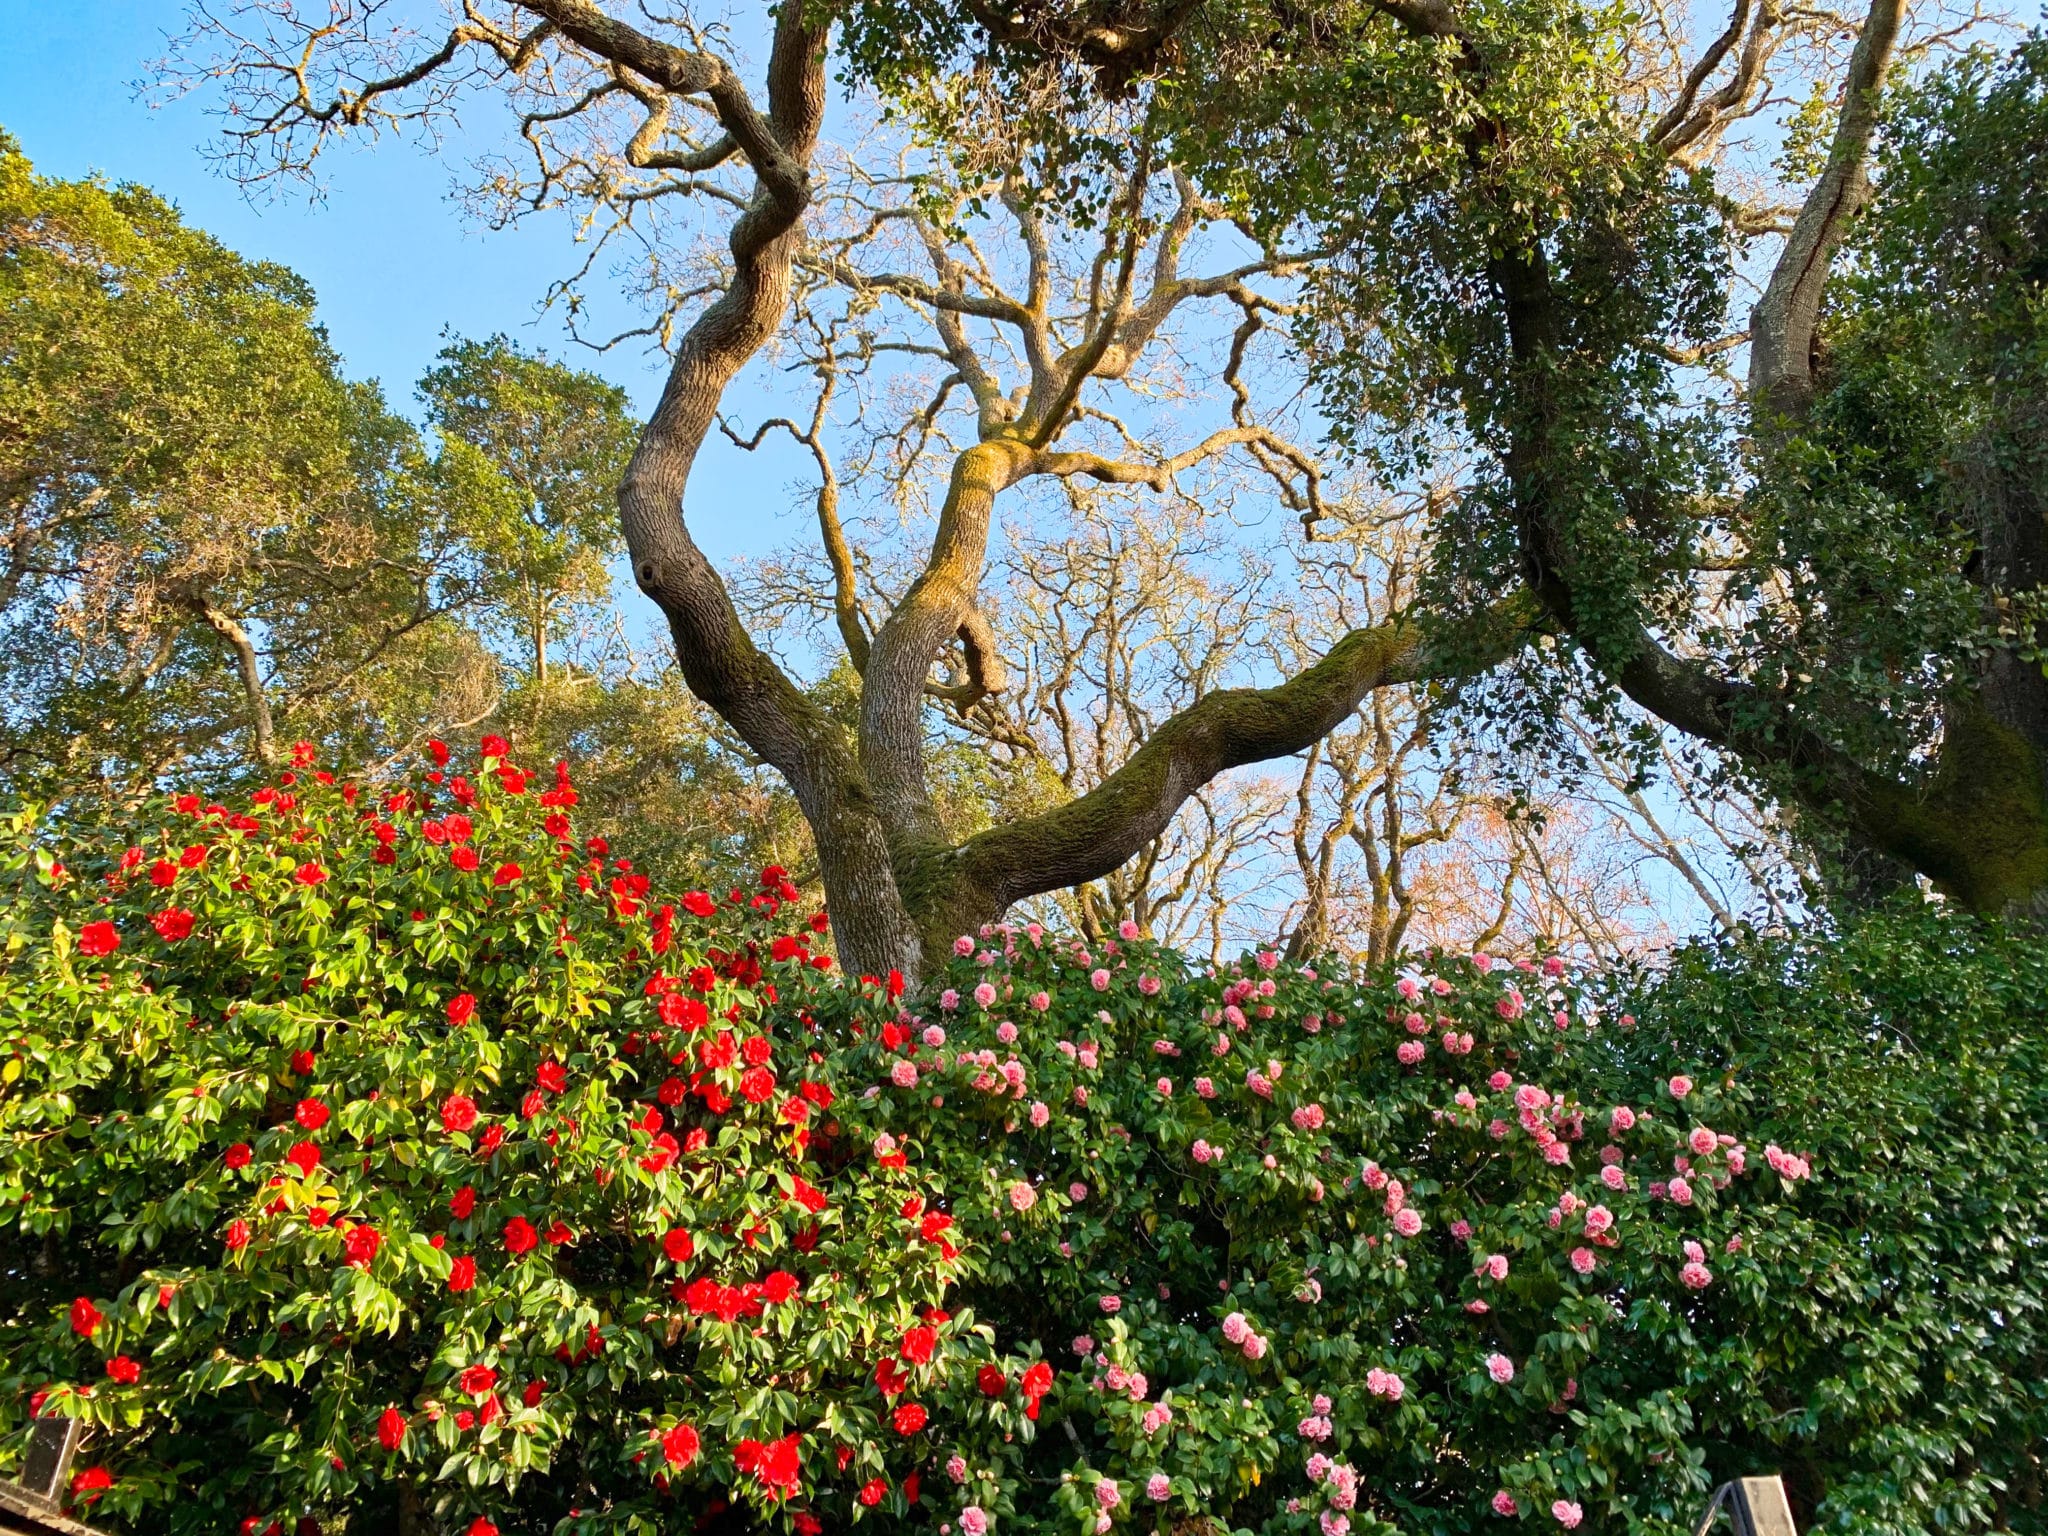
(392, 1158)
(1330, 1252)
(392, 1153)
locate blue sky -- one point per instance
(394, 261)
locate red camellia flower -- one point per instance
(873, 1491)
(698, 904)
(918, 1344)
(909, 1418)
(520, 1236)
(507, 874)
(305, 1157)
(778, 1465)
(303, 1063)
(535, 1391)
(237, 1156)
(361, 1245)
(1036, 1383)
(91, 1483)
(779, 1287)
(532, 1104)
(552, 1075)
(124, 1370)
(992, 1381)
(462, 1274)
(310, 1113)
(98, 939)
(757, 1085)
(237, 1235)
(461, 1008)
(559, 1232)
(678, 1245)
(458, 1113)
(679, 1446)
(172, 924)
(163, 873)
(85, 1317)
(477, 1380)
(391, 1429)
(310, 873)
(463, 1202)
(464, 859)
(481, 1527)
(494, 746)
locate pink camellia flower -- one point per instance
(1334, 1524)
(1613, 1177)
(1702, 1141)
(963, 946)
(1006, 1032)
(949, 1000)
(1500, 1368)
(1039, 1114)
(1500, 1082)
(1158, 1487)
(1099, 980)
(934, 1036)
(1308, 1117)
(1787, 1164)
(1567, 1514)
(1553, 966)
(1111, 1304)
(1202, 1152)
(1077, 1192)
(1407, 1222)
(1583, 1260)
(1598, 1220)
(974, 1520)
(985, 994)
(1165, 1087)
(1557, 1153)
(1409, 1052)
(1235, 1328)
(1322, 1404)
(1148, 984)
(1696, 1277)
(1022, 1196)
(1494, 1266)
(1621, 1119)
(956, 1468)
(1680, 1192)
(1107, 1494)
(1504, 1504)
(1157, 1417)
(1409, 988)
(1205, 1087)
(1255, 1347)
(904, 1074)
(1509, 1006)
(1680, 1086)
(1461, 1229)
(1040, 1001)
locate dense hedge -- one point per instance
(390, 1159)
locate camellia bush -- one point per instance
(391, 1159)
